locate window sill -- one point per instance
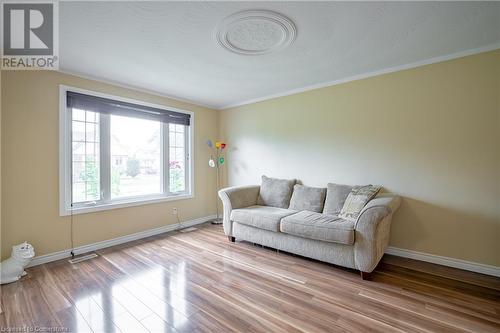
(123, 204)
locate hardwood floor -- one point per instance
(201, 282)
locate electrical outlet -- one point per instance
(174, 211)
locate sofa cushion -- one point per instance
(307, 198)
(335, 198)
(262, 217)
(318, 226)
(275, 192)
(356, 200)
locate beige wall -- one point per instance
(30, 142)
(431, 134)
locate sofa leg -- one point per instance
(231, 239)
(365, 275)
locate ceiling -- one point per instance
(169, 47)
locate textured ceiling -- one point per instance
(169, 48)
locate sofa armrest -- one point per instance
(372, 231)
(236, 197)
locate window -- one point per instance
(139, 155)
(117, 152)
(177, 162)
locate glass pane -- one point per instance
(179, 154)
(135, 157)
(78, 131)
(176, 177)
(78, 114)
(91, 177)
(85, 156)
(78, 151)
(91, 132)
(78, 192)
(177, 170)
(171, 138)
(86, 185)
(179, 139)
(92, 151)
(78, 171)
(91, 117)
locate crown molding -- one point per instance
(430, 61)
(138, 89)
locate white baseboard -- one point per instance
(435, 259)
(115, 241)
(445, 261)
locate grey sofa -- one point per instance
(320, 235)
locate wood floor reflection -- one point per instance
(200, 282)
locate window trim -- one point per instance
(65, 160)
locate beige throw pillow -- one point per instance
(336, 195)
(356, 201)
(307, 198)
(275, 192)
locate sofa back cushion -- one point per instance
(356, 201)
(275, 192)
(308, 198)
(335, 198)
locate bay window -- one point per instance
(118, 152)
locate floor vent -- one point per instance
(82, 258)
(188, 229)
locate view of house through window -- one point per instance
(116, 157)
(135, 157)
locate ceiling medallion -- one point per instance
(255, 32)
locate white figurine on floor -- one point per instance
(12, 269)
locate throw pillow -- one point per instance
(307, 198)
(335, 198)
(356, 201)
(275, 192)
